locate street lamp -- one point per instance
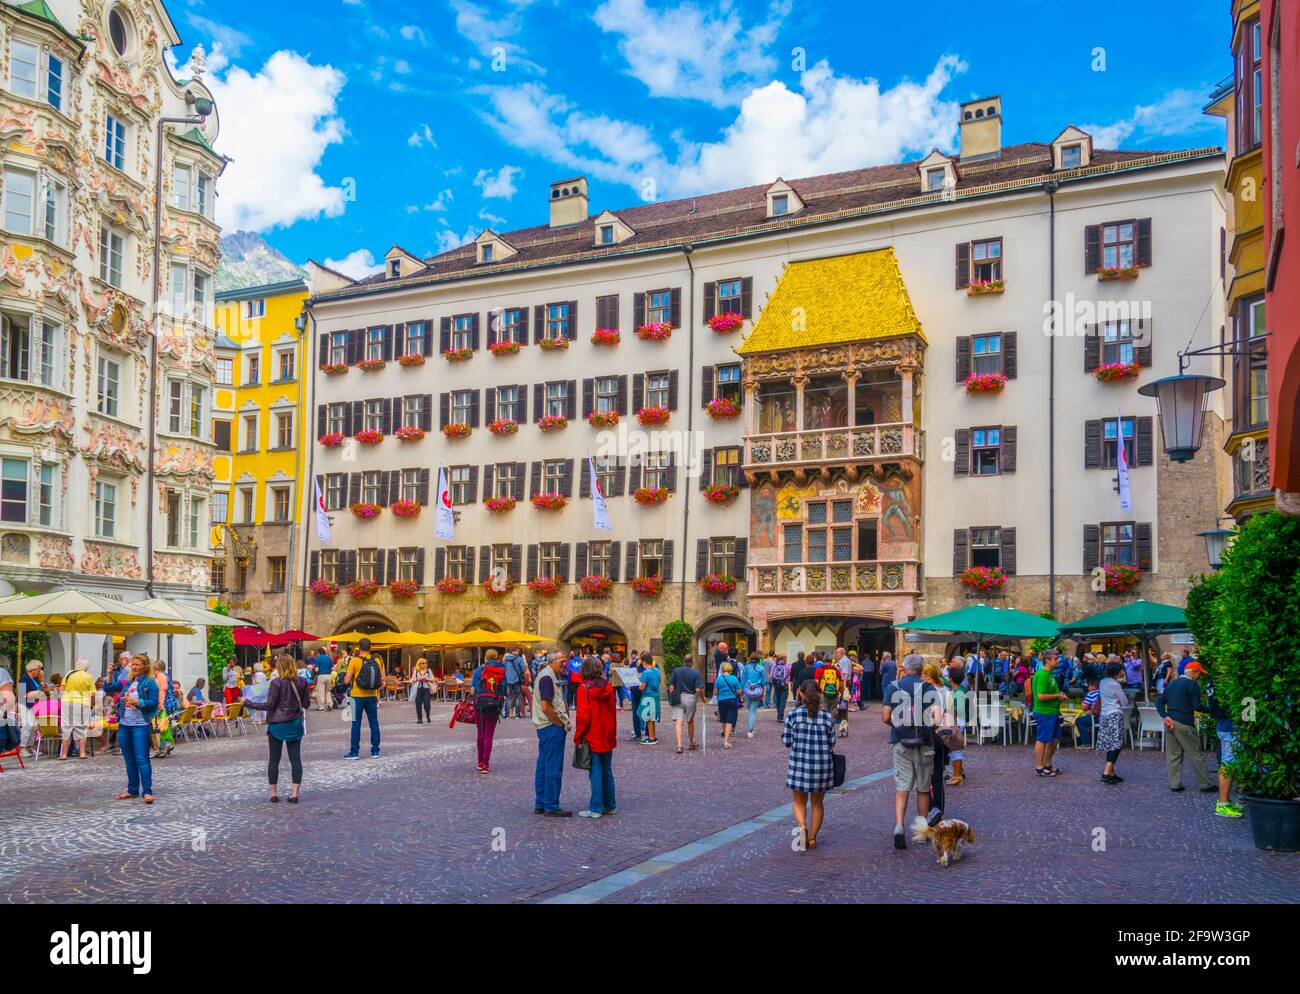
(1180, 404)
(1216, 543)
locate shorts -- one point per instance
(1227, 747)
(913, 767)
(1047, 727)
(685, 711)
(648, 709)
(727, 711)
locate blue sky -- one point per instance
(357, 124)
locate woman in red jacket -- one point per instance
(597, 725)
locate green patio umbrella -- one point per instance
(980, 620)
(1140, 619)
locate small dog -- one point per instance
(842, 716)
(946, 837)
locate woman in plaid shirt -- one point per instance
(809, 734)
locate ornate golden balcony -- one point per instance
(833, 446)
(857, 577)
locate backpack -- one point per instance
(915, 733)
(753, 690)
(489, 699)
(780, 673)
(369, 677)
(830, 682)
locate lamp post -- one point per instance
(1216, 543)
(202, 107)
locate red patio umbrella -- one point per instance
(258, 637)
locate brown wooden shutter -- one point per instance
(1142, 350)
(671, 483)
(963, 358)
(701, 558)
(539, 323)
(390, 573)
(566, 478)
(1009, 449)
(394, 486)
(584, 482)
(539, 401)
(638, 310)
(706, 385)
(444, 410)
(638, 391)
(960, 545)
(710, 299)
(1092, 444)
(1144, 241)
(534, 554)
(423, 495)
(963, 265)
(516, 562)
(571, 400)
(314, 567)
(675, 307)
(615, 560)
(667, 567)
(386, 348)
(322, 349)
(399, 339)
(484, 563)
(622, 395)
(1144, 550)
(1144, 450)
(1091, 547)
(322, 420)
(571, 327)
(489, 405)
(444, 335)
(354, 487)
(474, 409)
(1010, 355)
(386, 415)
(580, 561)
(1009, 551)
(1092, 348)
(672, 390)
(426, 347)
(493, 327)
(1091, 249)
(473, 485)
(489, 480)
(634, 473)
(426, 412)
(535, 478)
(356, 416)
(588, 397)
(706, 467)
(419, 565)
(517, 485)
(747, 297)
(961, 461)
(740, 559)
(474, 338)
(620, 479)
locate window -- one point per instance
(55, 212)
(217, 571)
(487, 248)
(254, 309)
(509, 405)
(336, 418)
(372, 487)
(934, 179)
(726, 466)
(986, 351)
(24, 59)
(510, 325)
(727, 382)
(221, 435)
(375, 343)
(1248, 82)
(13, 490)
(394, 268)
(504, 480)
(249, 443)
(178, 282)
(986, 260)
(985, 451)
(45, 496)
(279, 503)
(657, 472)
(557, 321)
(1251, 327)
(336, 491)
(652, 557)
(225, 372)
(203, 194)
(15, 348)
(409, 487)
(114, 142)
(198, 395)
(600, 558)
(986, 547)
(415, 334)
(1110, 430)
(822, 542)
(276, 573)
(220, 506)
(284, 431)
(173, 519)
(20, 201)
(246, 512)
(657, 389)
(606, 474)
(792, 542)
(606, 394)
(112, 246)
(339, 348)
(1118, 544)
(1117, 342)
(780, 204)
(462, 485)
(252, 369)
(728, 299)
(117, 31)
(557, 399)
(499, 563)
(458, 562)
(607, 234)
(368, 567)
(175, 405)
(659, 306)
(284, 366)
(462, 405)
(1071, 156)
(29, 355)
(105, 509)
(196, 522)
(408, 564)
(182, 186)
(462, 331)
(202, 283)
(722, 556)
(329, 565)
(1119, 245)
(48, 365)
(553, 476)
(407, 414)
(549, 564)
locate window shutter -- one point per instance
(314, 567)
(399, 339)
(615, 560)
(1144, 441)
(675, 307)
(489, 480)
(1143, 532)
(701, 558)
(523, 326)
(571, 400)
(356, 417)
(747, 297)
(580, 561)
(638, 391)
(444, 409)
(1144, 242)
(533, 556)
(386, 415)
(356, 345)
(706, 467)
(354, 487)
(710, 299)
(1092, 348)
(1143, 352)
(535, 478)
(584, 483)
(390, 574)
(620, 479)
(474, 409)
(1009, 551)
(668, 561)
(539, 323)
(322, 420)
(706, 385)
(573, 321)
(494, 323)
(539, 400)
(419, 565)
(1092, 444)
(426, 411)
(1009, 449)
(742, 480)
(634, 473)
(622, 395)
(672, 390)
(521, 408)
(322, 349)
(1091, 547)
(485, 563)
(474, 332)
(489, 405)
(961, 463)
(963, 358)
(1091, 249)
(963, 265)
(518, 483)
(350, 560)
(387, 347)
(516, 561)
(672, 472)
(473, 485)
(398, 417)
(426, 346)
(588, 397)
(960, 558)
(444, 335)
(566, 478)
(638, 310)
(566, 551)
(740, 559)
(423, 492)
(1010, 356)
(394, 486)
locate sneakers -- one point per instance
(1111, 780)
(1226, 809)
(558, 813)
(593, 815)
(749, 735)
(374, 754)
(934, 817)
(352, 755)
(900, 840)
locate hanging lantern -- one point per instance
(1180, 402)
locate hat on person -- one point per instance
(1194, 665)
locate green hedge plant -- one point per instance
(677, 639)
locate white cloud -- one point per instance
(500, 184)
(358, 264)
(402, 67)
(447, 239)
(437, 206)
(690, 50)
(421, 137)
(1177, 113)
(491, 35)
(412, 32)
(231, 40)
(490, 218)
(830, 123)
(275, 125)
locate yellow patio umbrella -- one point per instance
(523, 637)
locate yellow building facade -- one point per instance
(258, 425)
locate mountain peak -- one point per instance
(247, 259)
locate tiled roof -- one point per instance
(744, 211)
(844, 298)
(196, 137)
(40, 10)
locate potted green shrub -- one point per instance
(677, 638)
(1244, 618)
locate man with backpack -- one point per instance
(489, 686)
(909, 711)
(780, 686)
(364, 678)
(515, 667)
(830, 682)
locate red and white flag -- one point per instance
(322, 516)
(444, 525)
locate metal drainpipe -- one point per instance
(307, 499)
(297, 466)
(687, 249)
(1050, 188)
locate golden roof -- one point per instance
(844, 298)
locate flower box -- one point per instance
(596, 586)
(369, 436)
(546, 586)
(502, 426)
(406, 509)
(553, 422)
(720, 494)
(365, 510)
(554, 344)
(722, 409)
(409, 434)
(1120, 579)
(724, 324)
(549, 502)
(503, 348)
(647, 586)
(494, 588)
(1108, 274)
(410, 360)
(1116, 372)
(982, 384)
(361, 589)
(983, 288)
(656, 331)
(457, 431)
(606, 336)
(602, 419)
(450, 585)
(325, 589)
(984, 578)
(403, 588)
(334, 368)
(370, 365)
(718, 586)
(458, 355)
(653, 416)
(499, 505)
(650, 495)
(332, 439)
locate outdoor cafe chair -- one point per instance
(1150, 722)
(183, 722)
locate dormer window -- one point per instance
(394, 268)
(607, 234)
(780, 205)
(487, 248)
(1071, 156)
(934, 180)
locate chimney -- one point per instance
(569, 202)
(981, 129)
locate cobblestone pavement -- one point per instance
(420, 824)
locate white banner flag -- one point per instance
(599, 511)
(322, 516)
(1121, 461)
(445, 521)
